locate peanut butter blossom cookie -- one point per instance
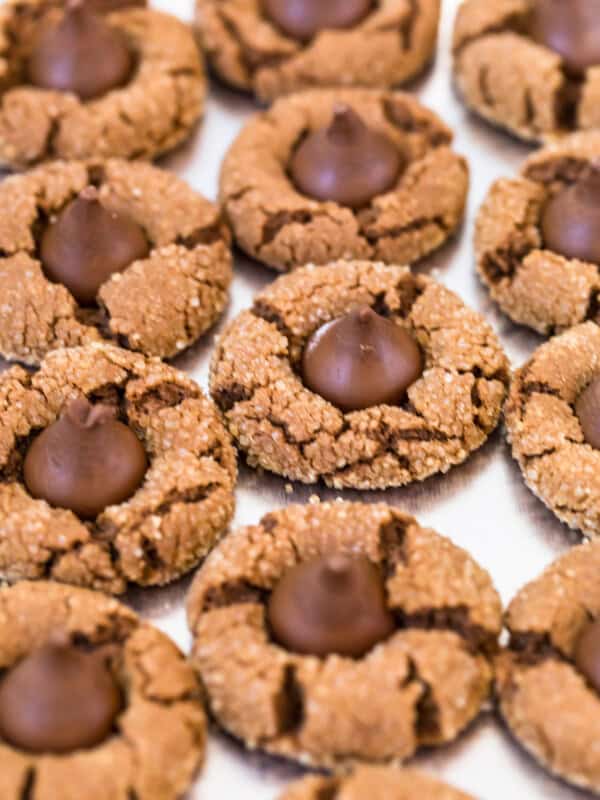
(351, 173)
(359, 374)
(114, 469)
(375, 783)
(553, 420)
(548, 679)
(530, 66)
(94, 702)
(273, 47)
(323, 608)
(107, 249)
(538, 237)
(77, 84)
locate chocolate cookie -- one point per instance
(547, 679)
(530, 66)
(376, 783)
(94, 702)
(78, 85)
(312, 180)
(420, 682)
(108, 249)
(537, 242)
(277, 46)
(79, 502)
(553, 421)
(408, 391)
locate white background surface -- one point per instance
(483, 505)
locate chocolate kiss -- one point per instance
(571, 28)
(587, 654)
(85, 461)
(587, 408)
(361, 360)
(105, 6)
(87, 244)
(58, 699)
(81, 54)
(331, 604)
(347, 162)
(303, 19)
(571, 220)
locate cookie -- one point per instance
(534, 237)
(173, 291)
(83, 654)
(258, 378)
(146, 97)
(550, 417)
(547, 692)
(420, 683)
(513, 65)
(278, 224)
(264, 49)
(166, 526)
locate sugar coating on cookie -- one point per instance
(548, 704)
(173, 519)
(151, 113)
(420, 686)
(533, 283)
(249, 50)
(159, 305)
(274, 222)
(159, 735)
(284, 427)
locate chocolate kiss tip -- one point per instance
(345, 123)
(85, 415)
(365, 314)
(90, 193)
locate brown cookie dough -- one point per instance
(159, 305)
(277, 225)
(183, 506)
(532, 284)
(543, 696)
(159, 737)
(284, 427)
(546, 434)
(375, 783)
(514, 82)
(246, 49)
(420, 686)
(156, 110)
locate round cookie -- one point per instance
(159, 305)
(247, 49)
(508, 73)
(152, 112)
(158, 737)
(278, 225)
(420, 686)
(286, 428)
(168, 525)
(377, 783)
(544, 693)
(546, 426)
(535, 237)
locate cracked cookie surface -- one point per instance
(532, 284)
(547, 703)
(285, 428)
(159, 739)
(514, 82)
(282, 228)
(545, 432)
(183, 506)
(150, 115)
(376, 783)
(421, 686)
(391, 44)
(159, 305)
